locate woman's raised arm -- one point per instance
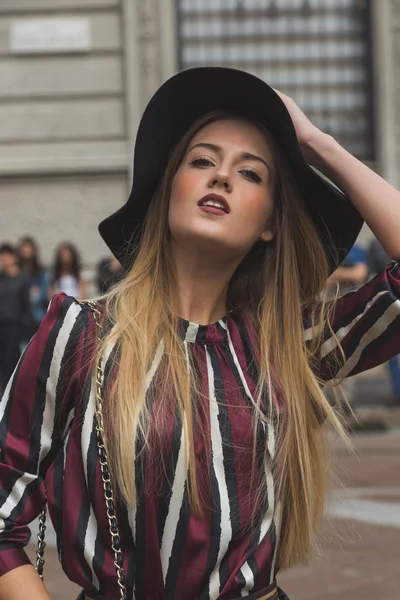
(376, 200)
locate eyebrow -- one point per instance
(218, 150)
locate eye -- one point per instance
(201, 162)
(251, 175)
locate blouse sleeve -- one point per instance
(34, 415)
(366, 324)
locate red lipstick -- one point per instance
(223, 207)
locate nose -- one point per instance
(220, 179)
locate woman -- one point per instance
(36, 281)
(67, 272)
(213, 352)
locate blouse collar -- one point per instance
(204, 334)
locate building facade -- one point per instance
(76, 75)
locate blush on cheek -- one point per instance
(181, 186)
(258, 208)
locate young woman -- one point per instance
(205, 389)
(37, 282)
(66, 275)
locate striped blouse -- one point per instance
(48, 451)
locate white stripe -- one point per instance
(218, 465)
(52, 381)
(16, 494)
(191, 333)
(177, 492)
(278, 523)
(241, 374)
(264, 529)
(177, 495)
(91, 528)
(372, 334)
(88, 427)
(266, 422)
(311, 332)
(341, 333)
(223, 324)
(154, 366)
(6, 395)
(249, 578)
(148, 379)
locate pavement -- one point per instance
(359, 542)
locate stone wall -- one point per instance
(64, 159)
(68, 119)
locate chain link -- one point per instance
(105, 476)
(41, 543)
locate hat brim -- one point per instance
(192, 94)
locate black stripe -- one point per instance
(365, 295)
(5, 421)
(30, 490)
(254, 543)
(58, 484)
(254, 568)
(84, 501)
(169, 475)
(94, 484)
(352, 340)
(128, 546)
(252, 365)
(140, 531)
(63, 390)
(178, 548)
(374, 347)
(228, 457)
(215, 535)
(8, 484)
(40, 394)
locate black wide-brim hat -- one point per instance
(177, 104)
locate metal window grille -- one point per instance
(317, 51)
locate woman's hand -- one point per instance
(305, 130)
(375, 199)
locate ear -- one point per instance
(267, 235)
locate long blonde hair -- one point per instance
(272, 287)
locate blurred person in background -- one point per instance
(351, 275)
(14, 311)
(376, 258)
(66, 273)
(184, 455)
(36, 280)
(109, 273)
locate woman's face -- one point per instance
(65, 256)
(26, 251)
(228, 163)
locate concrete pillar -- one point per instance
(386, 41)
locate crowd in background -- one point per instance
(26, 288)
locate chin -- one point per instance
(205, 241)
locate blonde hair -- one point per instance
(272, 287)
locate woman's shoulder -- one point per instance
(67, 320)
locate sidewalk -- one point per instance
(359, 555)
(372, 396)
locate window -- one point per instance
(317, 51)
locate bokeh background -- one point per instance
(75, 76)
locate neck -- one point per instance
(202, 279)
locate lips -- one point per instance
(218, 200)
